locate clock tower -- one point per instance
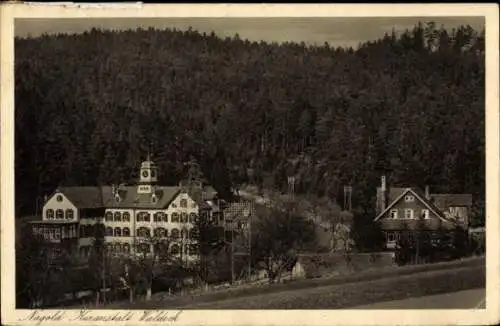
(148, 176)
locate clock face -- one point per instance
(145, 174)
(153, 173)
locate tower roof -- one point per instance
(148, 163)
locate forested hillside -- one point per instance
(411, 106)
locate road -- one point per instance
(469, 299)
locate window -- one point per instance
(143, 232)
(391, 237)
(69, 214)
(57, 234)
(59, 214)
(144, 247)
(118, 232)
(408, 213)
(175, 217)
(59, 198)
(184, 217)
(126, 217)
(425, 214)
(46, 233)
(184, 203)
(164, 217)
(394, 213)
(175, 233)
(50, 214)
(160, 232)
(174, 250)
(186, 250)
(409, 198)
(109, 217)
(192, 217)
(154, 198)
(193, 233)
(174, 205)
(158, 217)
(88, 230)
(184, 233)
(126, 232)
(118, 216)
(143, 217)
(193, 249)
(109, 231)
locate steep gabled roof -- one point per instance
(103, 197)
(86, 197)
(130, 198)
(444, 201)
(422, 199)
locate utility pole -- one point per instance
(232, 252)
(347, 198)
(104, 275)
(291, 187)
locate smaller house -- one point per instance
(401, 209)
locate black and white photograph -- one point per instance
(164, 165)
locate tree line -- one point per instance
(411, 105)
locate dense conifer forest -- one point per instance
(409, 105)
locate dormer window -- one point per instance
(59, 198)
(154, 199)
(409, 198)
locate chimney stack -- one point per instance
(427, 193)
(381, 195)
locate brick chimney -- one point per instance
(427, 193)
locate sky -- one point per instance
(337, 31)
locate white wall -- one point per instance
(64, 204)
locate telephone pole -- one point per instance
(104, 275)
(348, 198)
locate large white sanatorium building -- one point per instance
(129, 214)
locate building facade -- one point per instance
(402, 209)
(130, 219)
